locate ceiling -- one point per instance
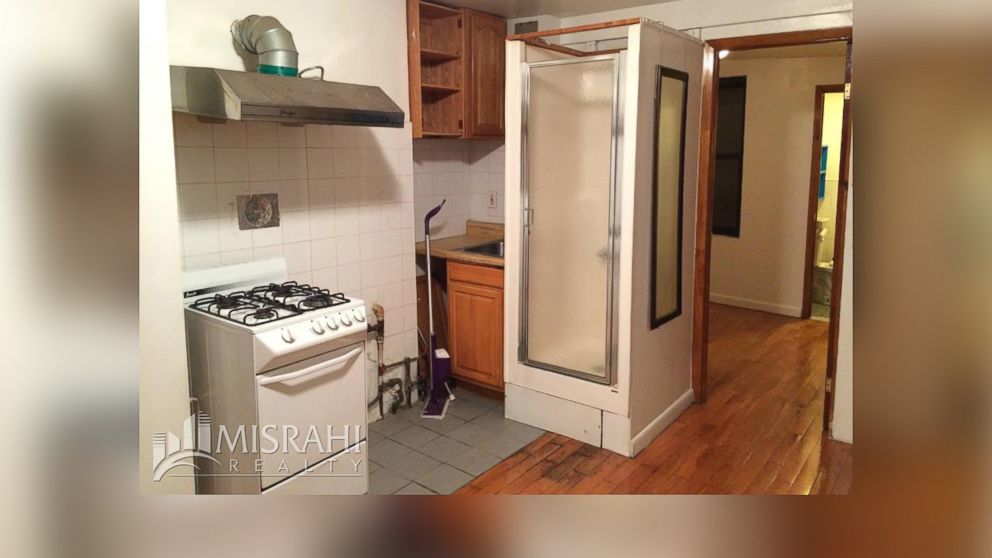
(803, 51)
(559, 8)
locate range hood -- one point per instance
(237, 95)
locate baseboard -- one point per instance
(660, 423)
(782, 309)
(554, 414)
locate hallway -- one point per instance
(759, 433)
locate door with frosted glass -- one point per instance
(569, 151)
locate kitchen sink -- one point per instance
(494, 248)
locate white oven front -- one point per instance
(309, 412)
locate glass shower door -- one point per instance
(569, 182)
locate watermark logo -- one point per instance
(255, 450)
(170, 451)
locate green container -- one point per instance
(277, 70)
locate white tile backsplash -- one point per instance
(319, 136)
(461, 172)
(229, 133)
(198, 201)
(293, 163)
(323, 254)
(194, 165)
(188, 132)
(200, 237)
(294, 195)
(345, 198)
(295, 226)
(291, 136)
(231, 164)
(261, 134)
(263, 164)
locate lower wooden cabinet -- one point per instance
(475, 324)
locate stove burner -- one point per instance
(226, 302)
(268, 303)
(264, 314)
(283, 291)
(322, 300)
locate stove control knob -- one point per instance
(287, 336)
(359, 314)
(345, 320)
(316, 327)
(331, 324)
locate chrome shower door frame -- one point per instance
(613, 287)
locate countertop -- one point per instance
(476, 233)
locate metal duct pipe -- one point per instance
(273, 43)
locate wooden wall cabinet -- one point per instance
(475, 324)
(456, 65)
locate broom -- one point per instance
(440, 362)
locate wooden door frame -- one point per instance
(814, 187)
(704, 207)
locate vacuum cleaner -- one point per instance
(440, 361)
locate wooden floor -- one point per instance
(759, 433)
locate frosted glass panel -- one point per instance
(568, 189)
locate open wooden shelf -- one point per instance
(456, 70)
(441, 89)
(435, 11)
(431, 55)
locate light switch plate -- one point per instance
(492, 200)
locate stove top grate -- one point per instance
(268, 303)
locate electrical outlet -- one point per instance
(492, 200)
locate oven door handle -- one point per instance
(310, 369)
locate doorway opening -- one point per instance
(745, 228)
(828, 120)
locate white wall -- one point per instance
(164, 390)
(463, 172)
(710, 19)
(660, 358)
(763, 269)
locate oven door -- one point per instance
(306, 410)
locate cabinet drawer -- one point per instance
(477, 274)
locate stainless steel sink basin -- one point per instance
(494, 248)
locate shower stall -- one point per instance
(602, 149)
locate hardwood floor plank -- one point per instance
(589, 484)
(634, 480)
(497, 482)
(760, 432)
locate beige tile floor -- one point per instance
(411, 455)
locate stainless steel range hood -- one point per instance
(252, 96)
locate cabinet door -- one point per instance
(476, 332)
(486, 51)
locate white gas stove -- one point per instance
(283, 361)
